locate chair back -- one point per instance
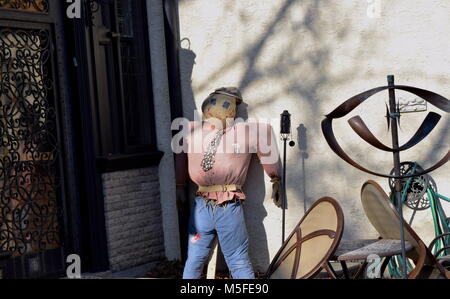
(386, 220)
(308, 248)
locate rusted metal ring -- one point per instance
(361, 129)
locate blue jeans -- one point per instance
(228, 223)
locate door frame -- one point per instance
(92, 240)
(53, 21)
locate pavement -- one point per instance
(132, 273)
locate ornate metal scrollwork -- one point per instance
(30, 5)
(416, 193)
(29, 163)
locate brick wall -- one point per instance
(133, 217)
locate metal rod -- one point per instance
(394, 114)
(283, 202)
(305, 201)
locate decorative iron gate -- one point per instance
(31, 165)
(29, 148)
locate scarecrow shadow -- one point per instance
(255, 213)
(187, 62)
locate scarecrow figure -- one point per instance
(219, 151)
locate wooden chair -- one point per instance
(386, 220)
(307, 250)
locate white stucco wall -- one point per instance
(161, 102)
(307, 57)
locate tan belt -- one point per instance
(219, 188)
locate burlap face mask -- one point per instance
(219, 108)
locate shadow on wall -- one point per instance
(305, 73)
(255, 213)
(302, 139)
(187, 63)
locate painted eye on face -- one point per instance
(213, 101)
(226, 105)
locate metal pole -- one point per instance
(394, 115)
(283, 203)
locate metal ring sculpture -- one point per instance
(393, 117)
(358, 125)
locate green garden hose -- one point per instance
(440, 222)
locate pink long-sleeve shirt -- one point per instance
(232, 158)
